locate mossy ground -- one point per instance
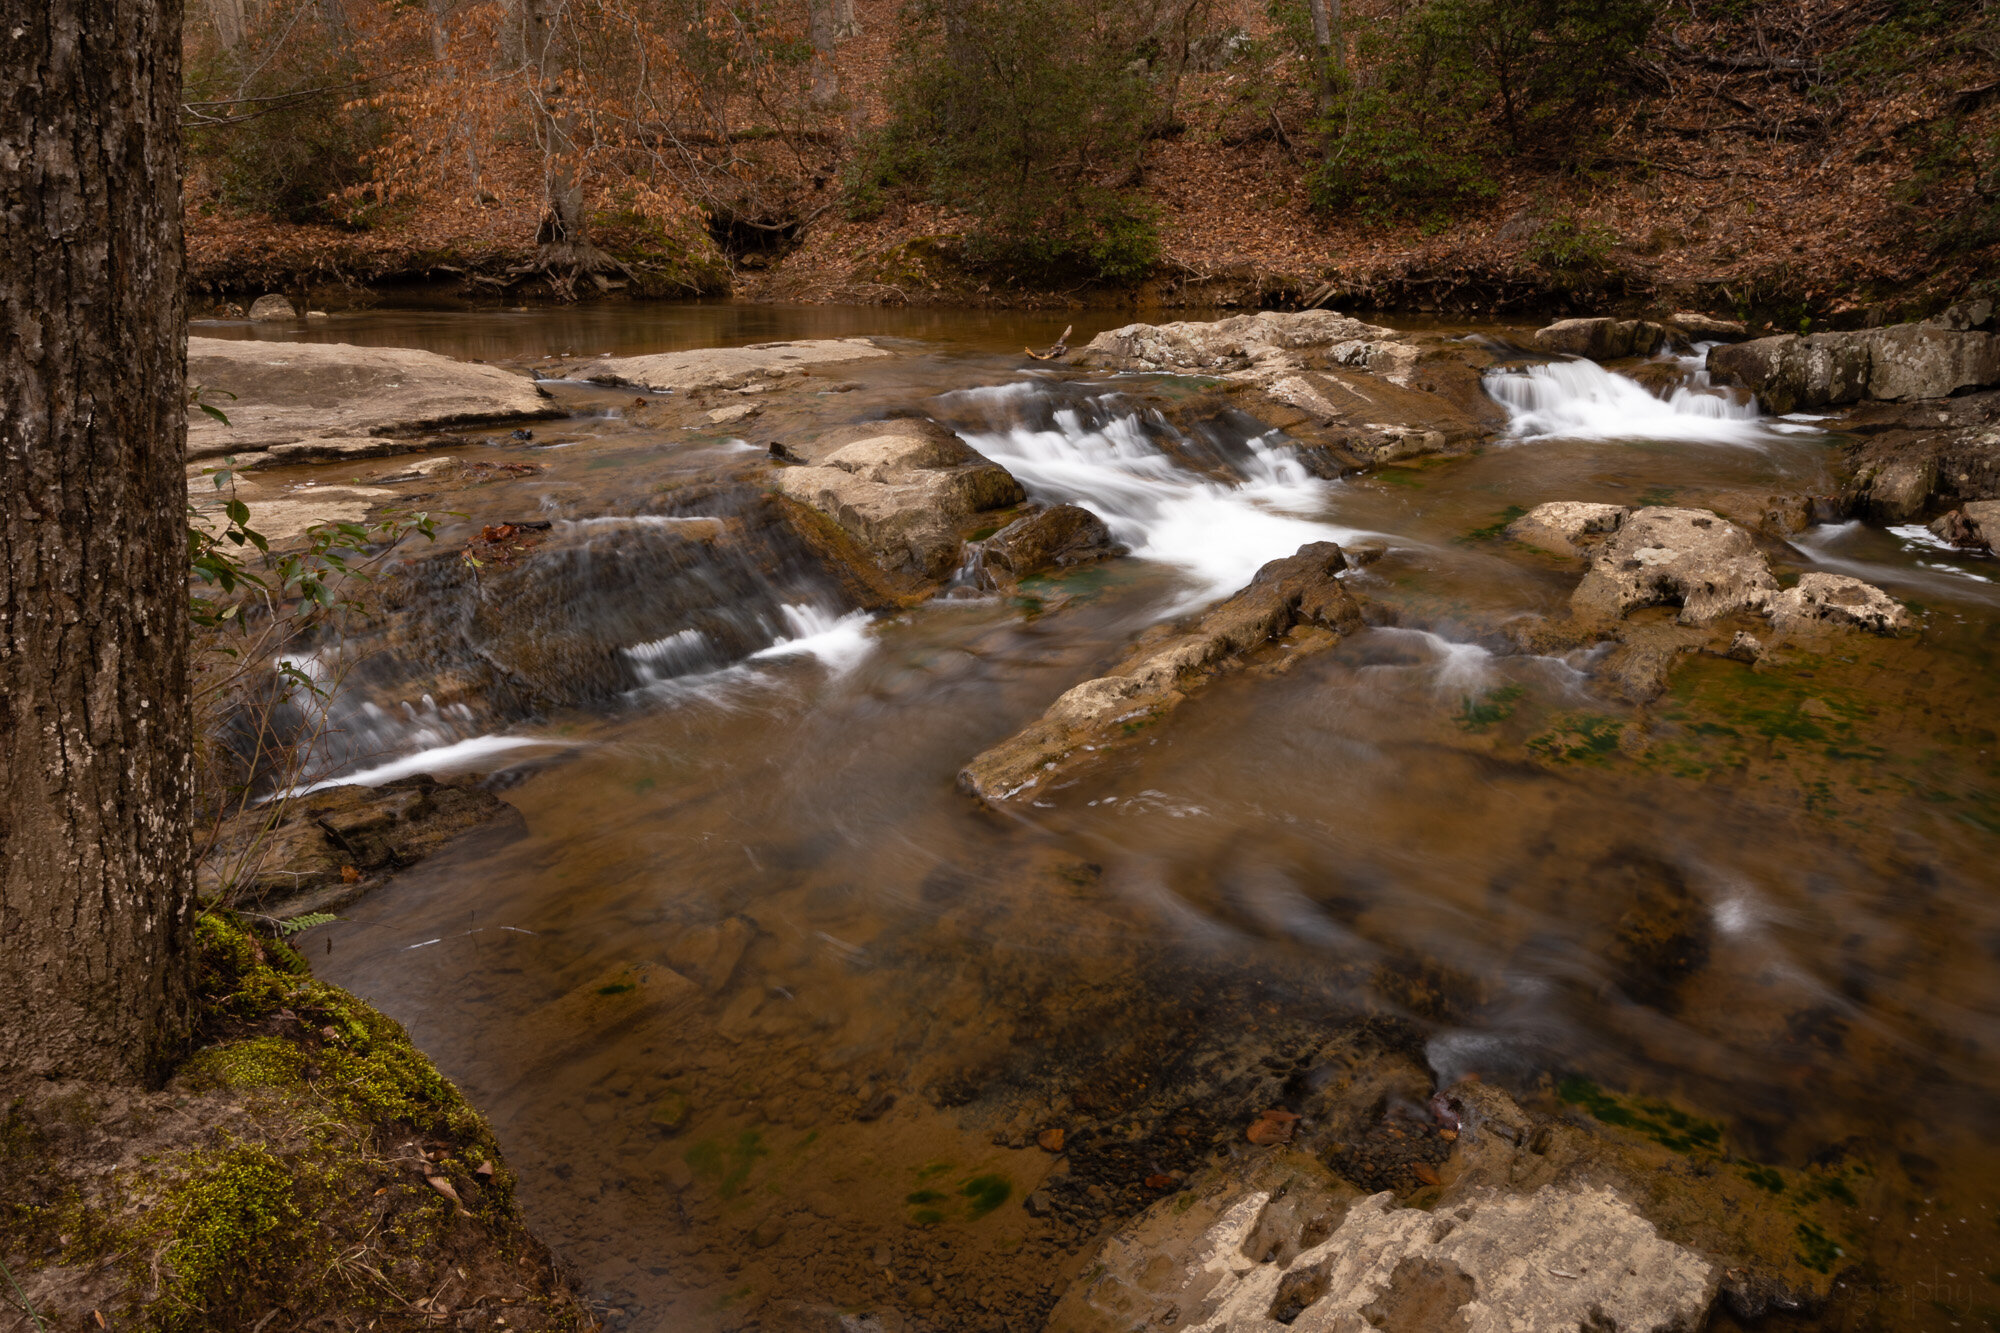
(306, 1165)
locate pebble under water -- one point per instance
(1770, 901)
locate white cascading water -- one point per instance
(1581, 400)
(1218, 534)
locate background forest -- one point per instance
(1806, 160)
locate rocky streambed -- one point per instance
(1273, 821)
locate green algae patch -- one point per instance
(1497, 529)
(305, 1159)
(1490, 709)
(727, 1165)
(1666, 1125)
(1573, 738)
(985, 1193)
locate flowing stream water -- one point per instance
(1413, 825)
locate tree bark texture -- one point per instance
(96, 874)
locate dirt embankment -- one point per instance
(1817, 164)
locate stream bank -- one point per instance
(834, 1043)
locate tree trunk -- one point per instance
(96, 873)
(1328, 55)
(825, 32)
(229, 22)
(845, 25)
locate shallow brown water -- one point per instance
(1407, 826)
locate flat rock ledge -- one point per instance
(905, 490)
(1168, 664)
(1366, 393)
(295, 402)
(723, 367)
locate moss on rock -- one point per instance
(305, 1159)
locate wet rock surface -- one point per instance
(1300, 592)
(1058, 537)
(908, 490)
(1691, 558)
(318, 851)
(1528, 1220)
(326, 400)
(1934, 359)
(1564, 527)
(1907, 461)
(1359, 392)
(1975, 524)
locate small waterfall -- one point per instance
(839, 642)
(1581, 400)
(1131, 468)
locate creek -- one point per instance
(897, 990)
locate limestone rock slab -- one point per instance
(1706, 565)
(1601, 339)
(724, 367)
(288, 393)
(1838, 599)
(1565, 527)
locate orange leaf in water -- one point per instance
(1424, 1172)
(1160, 1182)
(1271, 1128)
(1050, 1139)
(349, 875)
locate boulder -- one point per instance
(288, 393)
(1705, 564)
(1707, 328)
(1566, 527)
(1090, 718)
(724, 367)
(1975, 525)
(1790, 373)
(902, 489)
(1837, 599)
(1353, 393)
(1601, 339)
(1059, 536)
(272, 309)
(1894, 364)
(1965, 316)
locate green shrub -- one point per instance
(1569, 248)
(1029, 115)
(1449, 86)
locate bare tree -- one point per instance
(96, 875)
(1330, 52)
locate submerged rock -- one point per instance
(1837, 599)
(326, 396)
(1602, 339)
(1691, 558)
(1057, 537)
(1566, 527)
(903, 489)
(1156, 677)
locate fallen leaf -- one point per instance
(1160, 1182)
(443, 1186)
(349, 875)
(1050, 1139)
(1271, 1128)
(484, 1170)
(1448, 1135)
(99, 1317)
(1424, 1172)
